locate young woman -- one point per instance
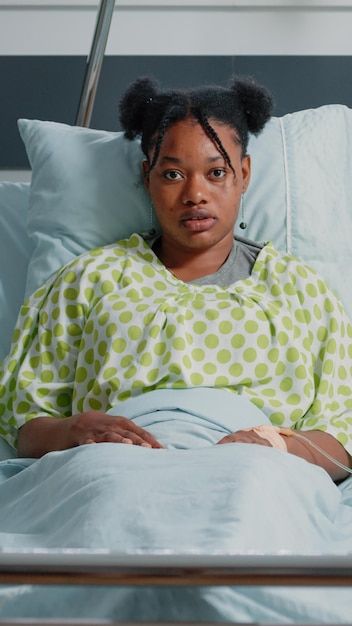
(224, 366)
(196, 171)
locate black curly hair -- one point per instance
(147, 111)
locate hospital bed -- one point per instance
(48, 222)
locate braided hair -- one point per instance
(147, 111)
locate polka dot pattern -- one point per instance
(115, 323)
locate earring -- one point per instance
(243, 224)
(152, 230)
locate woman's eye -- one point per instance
(172, 175)
(219, 173)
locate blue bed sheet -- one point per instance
(192, 497)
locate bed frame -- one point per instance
(92, 568)
(80, 567)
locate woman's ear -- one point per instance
(246, 171)
(145, 170)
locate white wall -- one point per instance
(179, 27)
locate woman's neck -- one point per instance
(193, 264)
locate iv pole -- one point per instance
(94, 63)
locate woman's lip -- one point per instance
(196, 213)
(198, 224)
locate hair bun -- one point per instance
(255, 100)
(133, 104)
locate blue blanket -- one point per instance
(192, 497)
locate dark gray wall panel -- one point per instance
(48, 87)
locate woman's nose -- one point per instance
(194, 191)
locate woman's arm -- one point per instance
(46, 434)
(303, 448)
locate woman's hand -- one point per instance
(97, 427)
(46, 434)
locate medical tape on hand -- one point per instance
(274, 434)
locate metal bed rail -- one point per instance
(44, 622)
(94, 63)
(77, 567)
(55, 567)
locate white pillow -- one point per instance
(15, 252)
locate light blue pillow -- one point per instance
(307, 191)
(265, 199)
(87, 190)
(15, 252)
(318, 156)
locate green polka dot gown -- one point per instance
(115, 323)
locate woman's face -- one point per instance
(195, 193)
